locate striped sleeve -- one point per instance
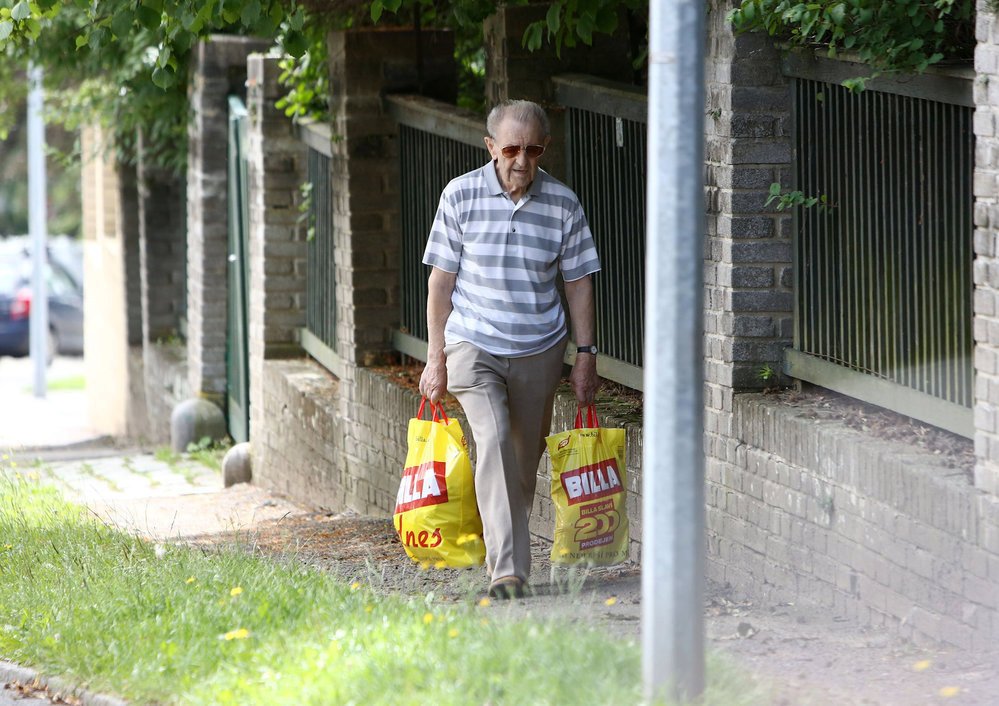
(579, 252)
(444, 245)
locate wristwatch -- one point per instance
(586, 349)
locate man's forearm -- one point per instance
(579, 295)
(440, 288)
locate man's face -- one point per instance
(517, 172)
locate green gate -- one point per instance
(237, 369)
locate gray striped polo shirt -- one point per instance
(506, 256)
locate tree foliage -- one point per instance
(123, 63)
(897, 36)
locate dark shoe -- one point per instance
(507, 587)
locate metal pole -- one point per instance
(673, 462)
(39, 317)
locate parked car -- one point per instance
(65, 297)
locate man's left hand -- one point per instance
(584, 379)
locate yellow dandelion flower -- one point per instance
(440, 565)
(190, 579)
(4, 457)
(453, 632)
(485, 602)
(484, 622)
(238, 634)
(236, 591)
(428, 618)
(922, 665)
(13, 464)
(368, 609)
(611, 601)
(354, 586)
(949, 692)
(8, 546)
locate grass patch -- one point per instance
(67, 384)
(177, 625)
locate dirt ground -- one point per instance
(800, 655)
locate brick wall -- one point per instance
(806, 508)
(986, 272)
(276, 162)
(363, 66)
(218, 70)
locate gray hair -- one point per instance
(523, 112)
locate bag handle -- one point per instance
(591, 417)
(437, 411)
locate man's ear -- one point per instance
(548, 139)
(489, 145)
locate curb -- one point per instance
(14, 672)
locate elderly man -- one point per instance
(496, 325)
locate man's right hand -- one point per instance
(433, 382)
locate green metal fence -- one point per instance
(436, 144)
(319, 337)
(883, 278)
(606, 167)
(237, 353)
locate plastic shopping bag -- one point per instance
(589, 493)
(436, 516)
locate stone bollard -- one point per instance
(237, 465)
(194, 419)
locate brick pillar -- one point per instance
(219, 69)
(514, 72)
(276, 169)
(365, 65)
(162, 249)
(986, 268)
(747, 273)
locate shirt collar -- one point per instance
(496, 189)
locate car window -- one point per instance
(9, 276)
(60, 284)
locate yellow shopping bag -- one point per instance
(589, 493)
(436, 516)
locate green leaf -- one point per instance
(376, 10)
(163, 78)
(552, 19)
(98, 38)
(21, 11)
(250, 13)
(532, 36)
(584, 28)
(121, 23)
(607, 19)
(148, 17)
(393, 5)
(837, 14)
(81, 41)
(6, 27)
(295, 43)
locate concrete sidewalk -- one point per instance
(57, 420)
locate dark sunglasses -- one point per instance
(533, 151)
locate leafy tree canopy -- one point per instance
(123, 63)
(891, 37)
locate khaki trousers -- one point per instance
(508, 403)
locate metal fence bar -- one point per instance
(606, 163)
(320, 278)
(437, 142)
(883, 278)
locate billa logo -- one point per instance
(592, 482)
(565, 442)
(421, 486)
